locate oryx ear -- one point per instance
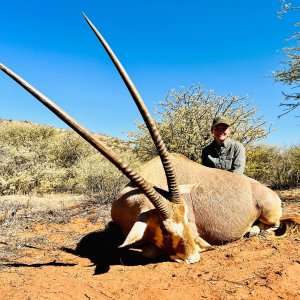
(135, 234)
(138, 230)
(188, 188)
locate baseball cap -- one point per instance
(221, 120)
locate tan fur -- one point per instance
(221, 207)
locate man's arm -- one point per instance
(239, 160)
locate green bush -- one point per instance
(29, 135)
(275, 166)
(42, 159)
(66, 148)
(96, 175)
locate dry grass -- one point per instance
(44, 217)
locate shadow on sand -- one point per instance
(101, 248)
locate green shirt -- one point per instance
(230, 156)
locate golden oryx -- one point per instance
(172, 203)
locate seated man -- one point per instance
(224, 153)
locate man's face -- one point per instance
(221, 132)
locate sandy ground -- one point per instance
(58, 251)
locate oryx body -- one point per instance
(222, 206)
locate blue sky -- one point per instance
(228, 46)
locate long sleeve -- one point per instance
(239, 160)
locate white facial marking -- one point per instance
(176, 228)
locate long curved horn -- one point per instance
(160, 203)
(159, 143)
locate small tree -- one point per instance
(185, 119)
(275, 166)
(290, 75)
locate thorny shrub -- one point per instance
(42, 159)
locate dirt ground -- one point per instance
(60, 252)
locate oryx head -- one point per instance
(168, 223)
